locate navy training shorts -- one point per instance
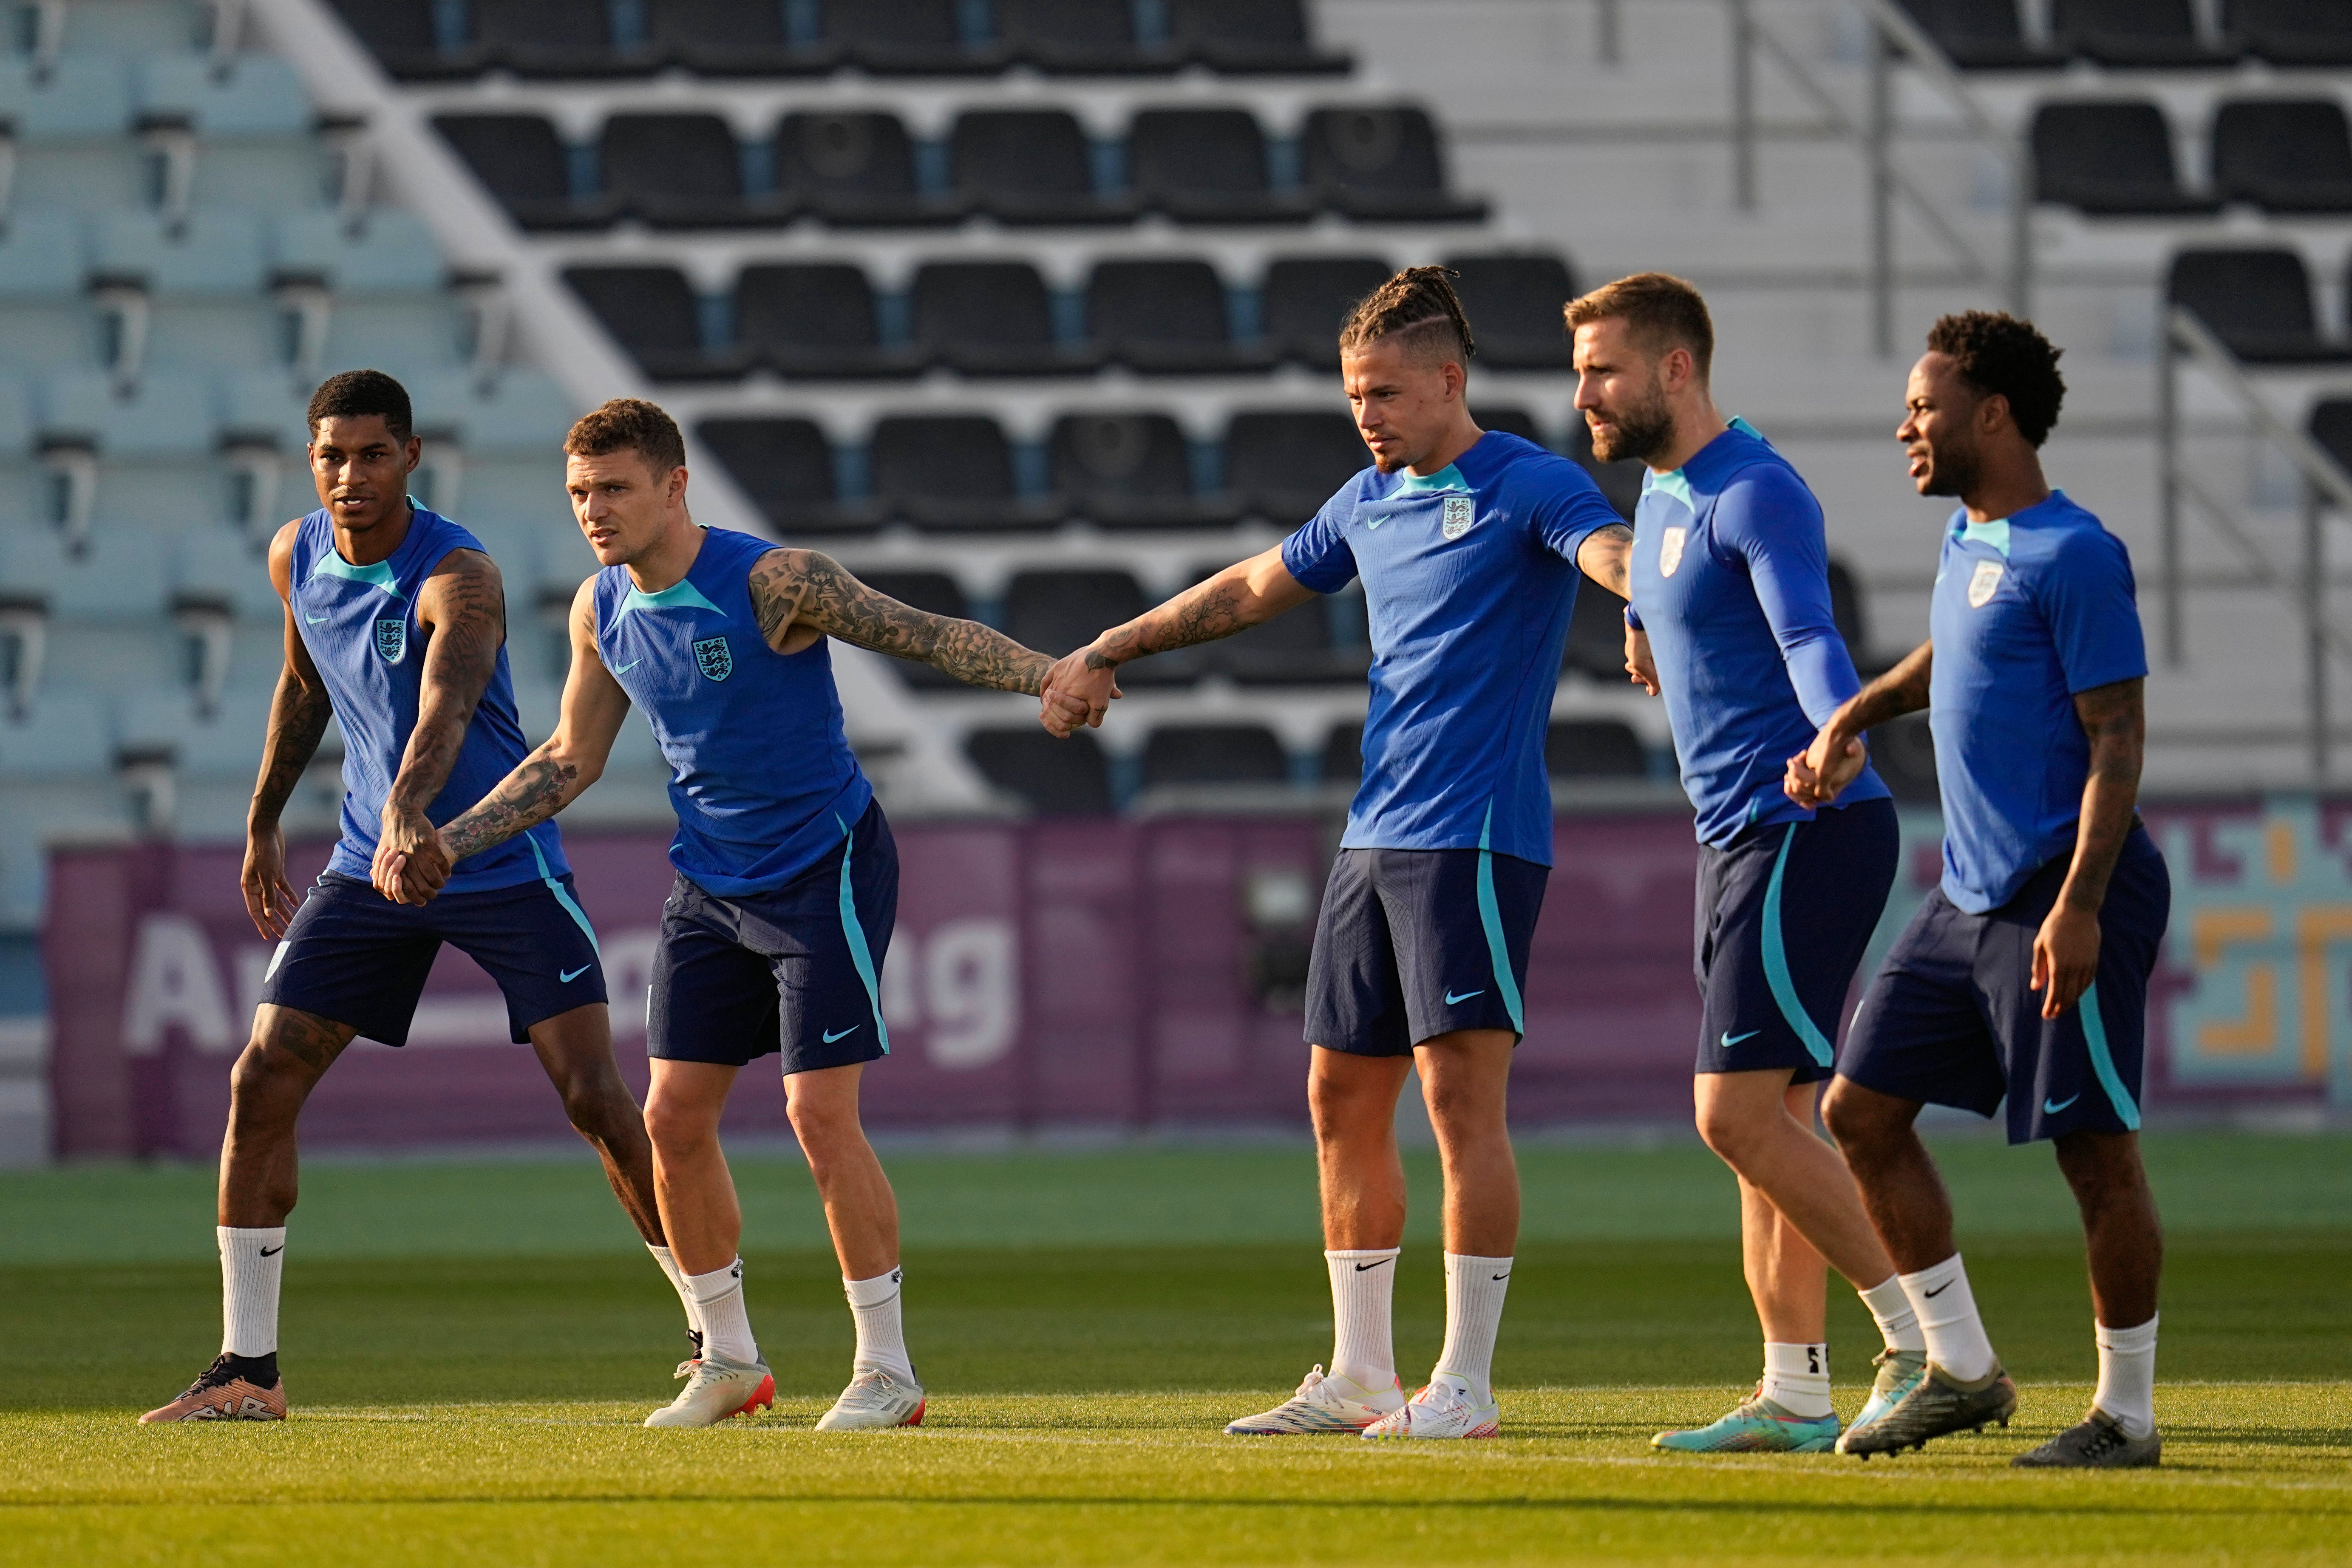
(1783, 915)
(796, 970)
(354, 957)
(1412, 943)
(1950, 1019)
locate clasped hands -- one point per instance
(412, 860)
(1075, 695)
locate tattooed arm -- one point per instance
(462, 610)
(550, 777)
(1834, 759)
(2067, 949)
(1235, 600)
(799, 595)
(298, 722)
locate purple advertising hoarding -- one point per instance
(1128, 975)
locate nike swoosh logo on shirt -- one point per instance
(314, 620)
(624, 669)
(576, 973)
(1453, 1001)
(832, 1035)
(1730, 1040)
(2051, 1107)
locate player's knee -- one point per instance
(1728, 1133)
(1851, 1121)
(675, 1128)
(262, 1075)
(823, 1125)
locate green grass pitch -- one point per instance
(469, 1349)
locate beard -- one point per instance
(1642, 431)
(1951, 470)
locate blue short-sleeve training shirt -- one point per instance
(1469, 575)
(2029, 611)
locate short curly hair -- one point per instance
(1996, 353)
(629, 424)
(355, 394)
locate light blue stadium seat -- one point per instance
(131, 26)
(15, 418)
(119, 575)
(269, 402)
(212, 559)
(84, 95)
(260, 95)
(169, 414)
(65, 733)
(219, 251)
(412, 337)
(526, 412)
(41, 255)
(211, 334)
(391, 252)
(226, 743)
(46, 812)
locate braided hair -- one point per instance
(1419, 306)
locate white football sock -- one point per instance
(726, 1325)
(1947, 1318)
(1797, 1378)
(1474, 1288)
(881, 1336)
(1363, 1344)
(252, 1262)
(1898, 1325)
(677, 1282)
(2127, 1377)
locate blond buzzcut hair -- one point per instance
(1663, 312)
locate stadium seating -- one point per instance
(2330, 425)
(949, 472)
(1282, 465)
(1128, 471)
(1196, 754)
(2257, 300)
(1167, 317)
(1250, 38)
(1514, 305)
(728, 38)
(677, 171)
(786, 467)
(2284, 155)
(1381, 165)
(652, 312)
(1053, 777)
(1305, 300)
(2110, 158)
(1080, 37)
(991, 318)
(1207, 166)
(1594, 748)
(2292, 33)
(854, 169)
(814, 320)
(1055, 610)
(520, 161)
(1341, 762)
(1029, 166)
(556, 38)
(1982, 35)
(2134, 33)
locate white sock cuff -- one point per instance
(270, 1235)
(1471, 1260)
(2128, 1341)
(718, 1284)
(1797, 1360)
(1935, 1276)
(1361, 1255)
(874, 1292)
(1885, 1299)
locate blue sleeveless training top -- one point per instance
(762, 775)
(360, 624)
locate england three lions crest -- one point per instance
(1670, 551)
(1984, 584)
(390, 639)
(1460, 512)
(714, 658)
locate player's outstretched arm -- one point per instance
(1235, 600)
(462, 606)
(800, 588)
(298, 722)
(1606, 557)
(2067, 949)
(1837, 755)
(542, 784)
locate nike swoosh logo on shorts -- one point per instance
(2051, 1108)
(832, 1035)
(1453, 1001)
(624, 669)
(1730, 1040)
(576, 973)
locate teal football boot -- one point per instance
(1899, 1372)
(1757, 1427)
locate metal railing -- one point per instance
(2186, 341)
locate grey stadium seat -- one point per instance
(2292, 32)
(652, 312)
(1080, 37)
(2109, 158)
(991, 318)
(1282, 465)
(1299, 647)
(1381, 164)
(523, 164)
(948, 472)
(2134, 33)
(2284, 154)
(814, 320)
(1029, 166)
(728, 38)
(1514, 305)
(905, 38)
(855, 168)
(784, 466)
(679, 171)
(1306, 300)
(1057, 612)
(2256, 299)
(1343, 755)
(1207, 166)
(1128, 471)
(1167, 317)
(1251, 37)
(556, 38)
(403, 38)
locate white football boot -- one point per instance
(716, 1389)
(1444, 1410)
(874, 1402)
(1323, 1403)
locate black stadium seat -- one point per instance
(1620, 481)
(1343, 755)
(1594, 748)
(1079, 37)
(991, 318)
(1053, 777)
(853, 168)
(1380, 164)
(520, 161)
(2257, 300)
(949, 472)
(402, 37)
(814, 320)
(934, 594)
(679, 171)
(905, 38)
(728, 38)
(1514, 305)
(2331, 427)
(2134, 33)
(1846, 611)
(2109, 158)
(1213, 753)
(1207, 166)
(1305, 300)
(651, 312)
(2294, 32)
(1242, 37)
(1057, 611)
(556, 38)
(1166, 318)
(784, 466)
(1029, 166)
(1510, 421)
(1283, 465)
(2284, 154)
(1299, 647)
(1981, 35)
(1126, 471)
(1596, 635)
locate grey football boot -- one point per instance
(2098, 1443)
(1938, 1404)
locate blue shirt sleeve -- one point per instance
(2086, 595)
(1317, 553)
(1767, 521)
(1567, 507)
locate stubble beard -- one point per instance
(1641, 432)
